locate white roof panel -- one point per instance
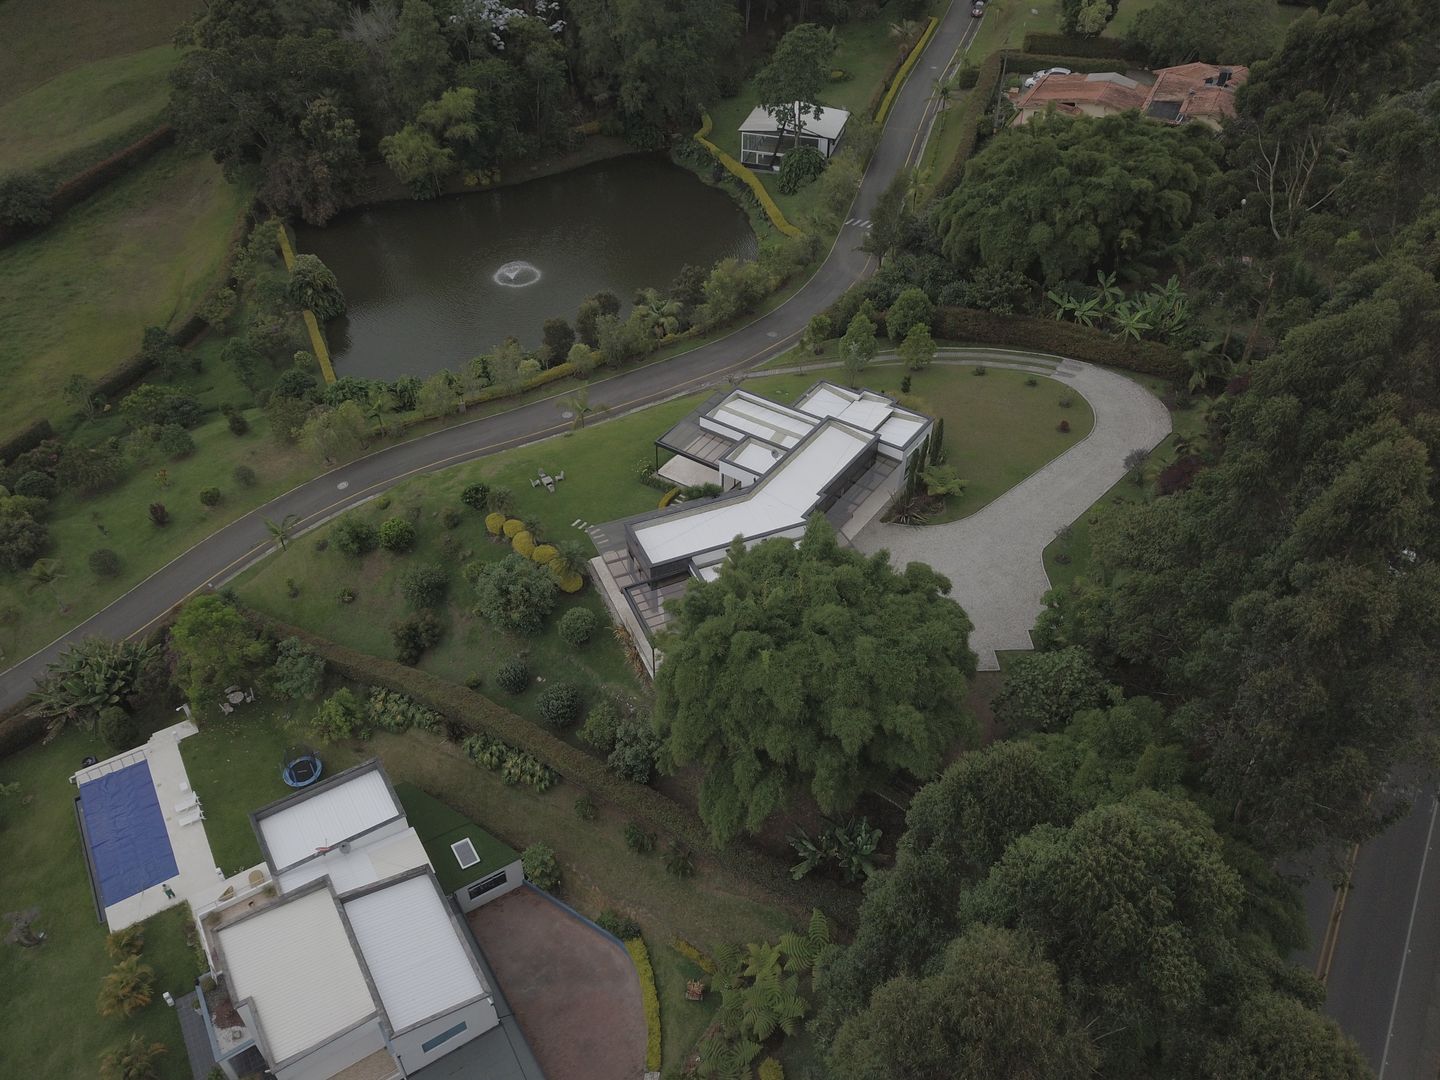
(754, 456)
(328, 817)
(765, 419)
(868, 414)
(364, 864)
(828, 125)
(295, 963)
(419, 964)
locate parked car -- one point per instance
(977, 9)
(1033, 79)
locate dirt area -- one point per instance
(573, 989)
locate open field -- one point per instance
(86, 112)
(49, 1026)
(76, 297)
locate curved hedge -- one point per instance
(1060, 338)
(640, 956)
(748, 178)
(904, 72)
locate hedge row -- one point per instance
(1062, 45)
(84, 184)
(969, 114)
(1060, 338)
(19, 729)
(1025, 63)
(747, 177)
(640, 956)
(312, 325)
(26, 438)
(475, 713)
(895, 78)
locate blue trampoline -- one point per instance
(125, 831)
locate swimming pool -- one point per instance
(125, 831)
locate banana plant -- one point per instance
(1107, 292)
(1130, 321)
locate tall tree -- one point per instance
(790, 83)
(1211, 31)
(808, 664)
(214, 647)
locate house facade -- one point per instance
(763, 140)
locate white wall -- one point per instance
(514, 878)
(343, 1052)
(478, 1018)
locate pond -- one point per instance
(432, 284)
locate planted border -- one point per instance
(1063, 339)
(1037, 41)
(640, 956)
(748, 178)
(904, 72)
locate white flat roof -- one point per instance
(754, 457)
(828, 125)
(419, 964)
(364, 864)
(326, 818)
(747, 414)
(295, 963)
(868, 411)
(778, 501)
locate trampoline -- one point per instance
(124, 831)
(302, 767)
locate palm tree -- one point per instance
(579, 404)
(570, 558)
(131, 1060)
(379, 403)
(280, 531)
(43, 575)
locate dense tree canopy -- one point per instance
(1058, 198)
(1212, 31)
(809, 664)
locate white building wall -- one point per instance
(478, 1018)
(327, 1060)
(514, 878)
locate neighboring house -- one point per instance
(763, 141)
(348, 957)
(1100, 93)
(1198, 93)
(837, 452)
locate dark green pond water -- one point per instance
(432, 284)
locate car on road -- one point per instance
(1033, 79)
(977, 9)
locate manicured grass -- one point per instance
(75, 297)
(997, 430)
(682, 1021)
(50, 1026)
(600, 484)
(1068, 559)
(87, 109)
(44, 38)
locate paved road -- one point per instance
(226, 552)
(994, 558)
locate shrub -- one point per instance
(1060, 338)
(134, 1059)
(297, 672)
(174, 441)
(1178, 475)
(640, 956)
(313, 285)
(24, 201)
(798, 167)
(1030, 380)
(511, 527)
(967, 76)
(450, 518)
(127, 988)
(339, 717)
(514, 593)
(585, 808)
(118, 729)
(618, 923)
(528, 367)
(104, 563)
(414, 635)
(560, 704)
(395, 712)
(397, 534)
(543, 554)
(602, 724)
(210, 496)
(513, 676)
(127, 942)
(577, 626)
(476, 496)
(475, 681)
(570, 583)
(424, 586)
(1044, 690)
(158, 514)
(637, 839)
(694, 955)
(1063, 427)
(978, 370)
(346, 595)
(36, 485)
(541, 868)
(523, 543)
(1066, 402)
(154, 404)
(244, 476)
(494, 523)
(679, 860)
(633, 755)
(355, 536)
(911, 308)
(770, 1069)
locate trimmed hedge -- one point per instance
(1025, 63)
(474, 712)
(318, 346)
(746, 177)
(640, 955)
(27, 438)
(20, 729)
(1097, 47)
(1060, 338)
(694, 955)
(903, 70)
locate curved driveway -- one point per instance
(993, 558)
(218, 557)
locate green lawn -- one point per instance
(997, 429)
(76, 297)
(49, 1027)
(86, 112)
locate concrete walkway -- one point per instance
(994, 557)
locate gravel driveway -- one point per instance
(993, 558)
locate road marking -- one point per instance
(1409, 930)
(342, 485)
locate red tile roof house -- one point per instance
(1198, 93)
(1102, 93)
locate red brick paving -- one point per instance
(573, 990)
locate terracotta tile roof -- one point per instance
(1192, 90)
(1114, 92)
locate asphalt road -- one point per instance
(225, 553)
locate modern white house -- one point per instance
(763, 140)
(350, 958)
(836, 451)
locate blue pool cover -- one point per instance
(126, 831)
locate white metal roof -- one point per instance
(364, 864)
(295, 963)
(828, 125)
(754, 457)
(328, 817)
(419, 964)
(779, 501)
(868, 411)
(746, 414)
